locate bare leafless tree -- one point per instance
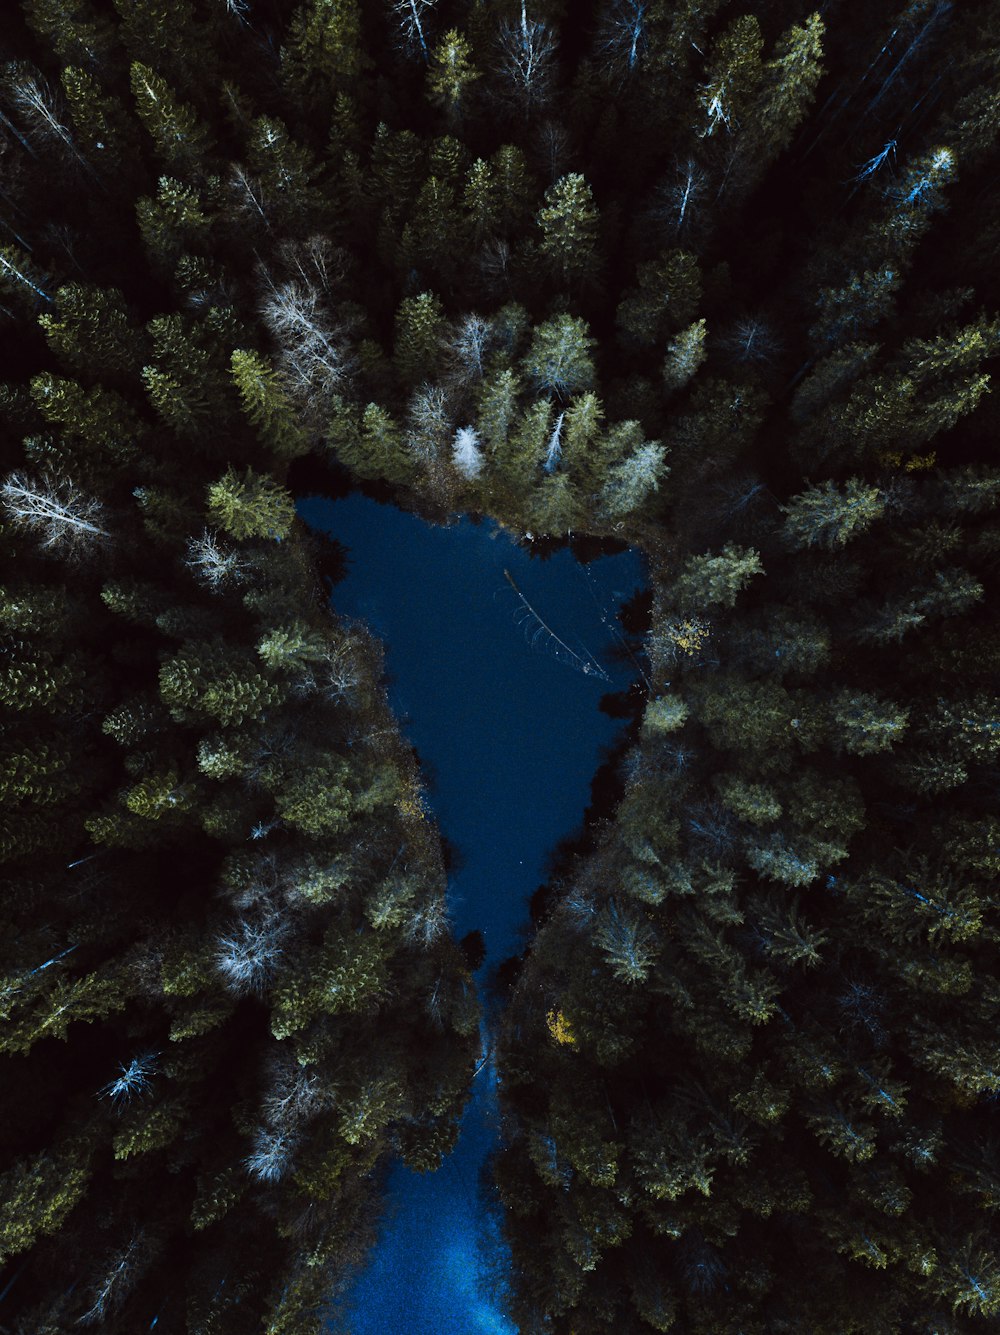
(316, 262)
(272, 1155)
(466, 452)
(116, 1280)
(551, 148)
(494, 263)
(313, 359)
(467, 348)
(410, 15)
(679, 199)
(751, 340)
(334, 677)
(295, 1094)
(428, 921)
(132, 1081)
(248, 194)
(40, 113)
(622, 37)
(62, 518)
(430, 422)
(247, 955)
(527, 51)
(212, 563)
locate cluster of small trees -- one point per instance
(718, 282)
(228, 987)
(750, 1068)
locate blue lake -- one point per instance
(508, 727)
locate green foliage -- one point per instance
(179, 139)
(791, 78)
(685, 356)
(266, 404)
(569, 224)
(451, 73)
(420, 328)
(90, 330)
(323, 49)
(825, 516)
(734, 72)
(666, 298)
(105, 129)
(251, 506)
(38, 1194)
(709, 580)
(748, 1068)
(22, 281)
(209, 679)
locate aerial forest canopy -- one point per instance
(719, 280)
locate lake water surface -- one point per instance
(509, 736)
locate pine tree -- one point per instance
(826, 517)
(90, 330)
(172, 223)
(76, 32)
(451, 74)
(569, 224)
(251, 506)
(685, 356)
(419, 342)
(323, 50)
(667, 296)
(791, 77)
(180, 140)
(104, 128)
(707, 581)
(266, 404)
(631, 482)
(734, 72)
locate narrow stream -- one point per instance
(507, 724)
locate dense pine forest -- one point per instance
(715, 279)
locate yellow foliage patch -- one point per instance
(560, 1028)
(921, 461)
(411, 806)
(917, 463)
(690, 635)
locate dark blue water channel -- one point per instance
(510, 733)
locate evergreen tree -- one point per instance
(253, 506)
(180, 141)
(569, 224)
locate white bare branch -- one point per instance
(409, 15)
(428, 922)
(247, 957)
(117, 1279)
(295, 1095)
(272, 1155)
(466, 454)
(471, 341)
(430, 422)
(313, 360)
(249, 194)
(62, 518)
(527, 49)
(212, 563)
(132, 1081)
